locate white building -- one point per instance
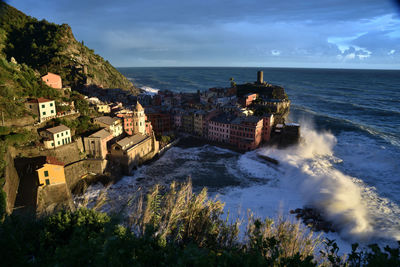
(114, 125)
(57, 136)
(44, 108)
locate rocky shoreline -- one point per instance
(313, 219)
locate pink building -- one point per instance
(219, 128)
(246, 100)
(268, 122)
(53, 80)
(246, 132)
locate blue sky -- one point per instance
(290, 33)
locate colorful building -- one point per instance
(103, 108)
(113, 125)
(96, 144)
(56, 136)
(246, 100)
(268, 122)
(44, 108)
(52, 80)
(51, 172)
(246, 132)
(160, 121)
(219, 128)
(198, 122)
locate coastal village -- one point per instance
(131, 130)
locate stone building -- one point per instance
(56, 136)
(44, 108)
(134, 150)
(52, 80)
(96, 144)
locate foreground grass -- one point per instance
(173, 228)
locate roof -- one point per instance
(106, 120)
(58, 129)
(130, 141)
(223, 118)
(39, 100)
(54, 161)
(103, 133)
(139, 107)
(51, 74)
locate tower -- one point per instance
(260, 77)
(139, 121)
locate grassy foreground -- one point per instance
(172, 228)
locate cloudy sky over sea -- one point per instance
(312, 33)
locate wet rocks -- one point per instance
(313, 219)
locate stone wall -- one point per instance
(75, 171)
(12, 180)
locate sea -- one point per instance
(347, 166)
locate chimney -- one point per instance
(260, 78)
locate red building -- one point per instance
(161, 122)
(246, 132)
(268, 122)
(246, 100)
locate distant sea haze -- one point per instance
(349, 165)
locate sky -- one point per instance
(234, 33)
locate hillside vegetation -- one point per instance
(45, 46)
(174, 228)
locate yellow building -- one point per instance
(51, 172)
(103, 108)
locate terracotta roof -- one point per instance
(39, 100)
(57, 129)
(54, 161)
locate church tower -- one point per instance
(139, 121)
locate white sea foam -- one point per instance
(313, 173)
(149, 90)
(307, 176)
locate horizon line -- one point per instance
(326, 68)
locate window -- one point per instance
(58, 135)
(47, 181)
(52, 111)
(58, 142)
(51, 104)
(43, 106)
(30, 106)
(44, 113)
(46, 173)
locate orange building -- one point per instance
(53, 80)
(51, 172)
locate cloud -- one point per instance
(275, 52)
(230, 33)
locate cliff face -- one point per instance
(45, 46)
